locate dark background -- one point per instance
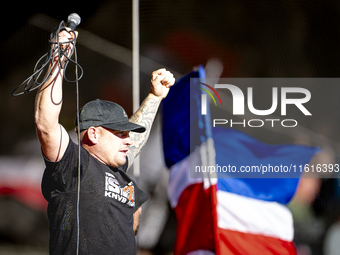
(295, 38)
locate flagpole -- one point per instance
(135, 70)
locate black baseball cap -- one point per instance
(106, 114)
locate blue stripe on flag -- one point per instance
(234, 148)
(182, 121)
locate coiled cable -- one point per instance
(32, 82)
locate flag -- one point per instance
(232, 215)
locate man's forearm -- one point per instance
(49, 97)
(145, 117)
(48, 101)
(52, 136)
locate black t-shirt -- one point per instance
(108, 199)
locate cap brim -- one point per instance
(126, 126)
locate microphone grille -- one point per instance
(75, 18)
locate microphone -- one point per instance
(73, 21)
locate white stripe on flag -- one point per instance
(180, 177)
(249, 215)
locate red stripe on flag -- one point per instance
(194, 215)
(238, 243)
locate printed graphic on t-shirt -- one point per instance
(125, 195)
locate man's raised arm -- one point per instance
(52, 136)
(161, 81)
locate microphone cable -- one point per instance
(79, 149)
(33, 83)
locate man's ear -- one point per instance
(92, 135)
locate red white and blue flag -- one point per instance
(225, 215)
